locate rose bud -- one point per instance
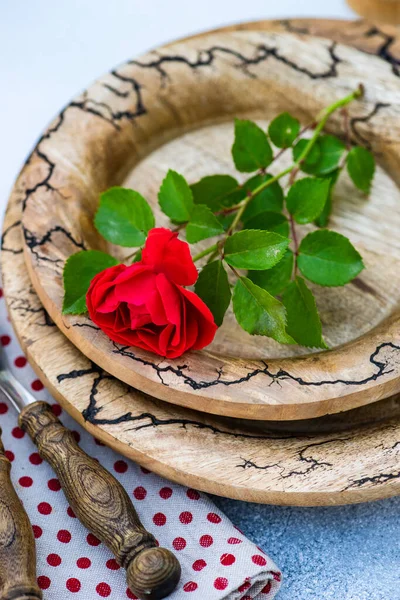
(146, 305)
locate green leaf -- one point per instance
(251, 149)
(328, 258)
(270, 199)
(312, 157)
(330, 152)
(225, 220)
(79, 270)
(123, 217)
(175, 197)
(271, 221)
(276, 279)
(202, 225)
(259, 313)
(217, 191)
(323, 219)
(213, 288)
(253, 249)
(303, 322)
(306, 199)
(283, 130)
(361, 168)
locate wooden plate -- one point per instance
(202, 451)
(174, 108)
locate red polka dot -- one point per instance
(179, 543)
(37, 385)
(73, 585)
(64, 536)
(1, 293)
(10, 455)
(220, 583)
(276, 576)
(267, 588)
(20, 362)
(54, 560)
(37, 531)
(246, 598)
(198, 565)
(92, 540)
(54, 485)
(259, 560)
(3, 408)
(159, 519)
(131, 595)
(186, 517)
(35, 459)
(206, 541)
(5, 340)
(71, 513)
(145, 471)
(213, 518)
(140, 493)
(77, 436)
(120, 466)
(165, 493)
(43, 582)
(103, 589)
(56, 409)
(18, 433)
(112, 564)
(193, 494)
(190, 586)
(245, 586)
(83, 563)
(234, 540)
(44, 508)
(25, 481)
(227, 560)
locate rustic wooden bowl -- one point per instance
(382, 11)
(221, 456)
(174, 108)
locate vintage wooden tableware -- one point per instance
(381, 11)
(192, 448)
(200, 450)
(17, 545)
(96, 497)
(174, 108)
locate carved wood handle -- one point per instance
(102, 505)
(17, 544)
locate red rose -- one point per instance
(145, 305)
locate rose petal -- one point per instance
(135, 286)
(166, 254)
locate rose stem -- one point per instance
(321, 122)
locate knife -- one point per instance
(96, 497)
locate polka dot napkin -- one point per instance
(217, 560)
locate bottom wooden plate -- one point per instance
(209, 453)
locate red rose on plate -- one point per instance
(145, 305)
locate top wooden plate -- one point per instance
(174, 108)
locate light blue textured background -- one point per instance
(327, 553)
(50, 50)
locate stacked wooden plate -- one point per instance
(244, 418)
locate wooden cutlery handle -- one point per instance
(17, 544)
(102, 505)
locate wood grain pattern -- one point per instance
(198, 450)
(17, 544)
(102, 505)
(134, 112)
